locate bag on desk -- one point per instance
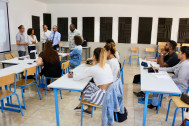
(185, 98)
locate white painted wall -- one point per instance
(20, 13)
(120, 10)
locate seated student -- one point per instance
(102, 76)
(168, 56)
(181, 74)
(32, 40)
(50, 60)
(116, 53)
(77, 51)
(112, 61)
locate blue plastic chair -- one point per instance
(92, 105)
(4, 81)
(24, 83)
(65, 69)
(136, 50)
(121, 72)
(150, 50)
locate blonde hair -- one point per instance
(101, 56)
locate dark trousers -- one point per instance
(21, 53)
(30, 48)
(56, 47)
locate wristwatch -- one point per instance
(161, 54)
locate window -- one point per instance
(88, 29)
(63, 28)
(74, 21)
(36, 26)
(105, 28)
(164, 29)
(47, 20)
(144, 30)
(124, 30)
(183, 33)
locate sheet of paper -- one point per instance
(161, 75)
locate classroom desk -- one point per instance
(86, 48)
(65, 83)
(152, 84)
(26, 60)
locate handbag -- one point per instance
(121, 117)
(185, 98)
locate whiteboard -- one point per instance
(4, 28)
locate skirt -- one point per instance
(93, 94)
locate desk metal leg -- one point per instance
(85, 54)
(56, 107)
(145, 108)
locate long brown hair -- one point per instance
(101, 56)
(50, 55)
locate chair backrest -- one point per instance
(65, 67)
(7, 80)
(135, 49)
(150, 50)
(162, 43)
(80, 57)
(9, 56)
(60, 44)
(121, 71)
(60, 58)
(30, 71)
(185, 44)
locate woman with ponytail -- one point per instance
(108, 41)
(112, 61)
(102, 76)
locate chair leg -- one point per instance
(174, 116)
(137, 61)
(182, 114)
(116, 117)
(60, 94)
(91, 112)
(161, 100)
(122, 78)
(38, 91)
(158, 104)
(168, 110)
(22, 92)
(82, 115)
(130, 60)
(10, 96)
(45, 86)
(2, 105)
(19, 104)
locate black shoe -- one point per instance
(139, 94)
(151, 106)
(77, 109)
(87, 112)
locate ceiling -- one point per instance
(144, 2)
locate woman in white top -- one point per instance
(102, 76)
(112, 61)
(32, 40)
(116, 52)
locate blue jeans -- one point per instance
(155, 97)
(21, 53)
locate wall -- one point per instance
(118, 10)
(20, 12)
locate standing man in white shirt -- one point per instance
(45, 34)
(73, 32)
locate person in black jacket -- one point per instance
(50, 60)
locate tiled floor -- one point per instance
(42, 112)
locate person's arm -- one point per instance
(29, 40)
(162, 63)
(34, 42)
(87, 73)
(73, 52)
(59, 37)
(39, 61)
(183, 74)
